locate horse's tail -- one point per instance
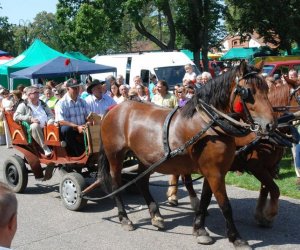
(104, 170)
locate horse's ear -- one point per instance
(243, 68)
(291, 82)
(259, 66)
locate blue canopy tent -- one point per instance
(3, 53)
(61, 66)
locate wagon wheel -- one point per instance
(70, 189)
(15, 173)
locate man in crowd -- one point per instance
(71, 112)
(37, 114)
(8, 216)
(97, 101)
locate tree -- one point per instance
(199, 22)
(46, 28)
(92, 26)
(7, 36)
(275, 20)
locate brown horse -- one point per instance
(262, 161)
(138, 128)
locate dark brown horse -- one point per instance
(262, 161)
(138, 128)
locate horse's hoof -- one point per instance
(205, 240)
(263, 222)
(200, 232)
(241, 244)
(128, 226)
(173, 201)
(158, 222)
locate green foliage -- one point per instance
(275, 20)
(46, 28)
(200, 24)
(286, 181)
(6, 35)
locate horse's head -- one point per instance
(294, 91)
(249, 98)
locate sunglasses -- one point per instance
(179, 92)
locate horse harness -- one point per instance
(246, 96)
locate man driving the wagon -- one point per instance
(37, 114)
(71, 112)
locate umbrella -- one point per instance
(61, 66)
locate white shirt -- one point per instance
(39, 113)
(190, 76)
(99, 106)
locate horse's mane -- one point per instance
(279, 95)
(214, 92)
(217, 91)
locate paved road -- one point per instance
(43, 222)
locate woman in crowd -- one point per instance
(140, 89)
(115, 92)
(181, 96)
(17, 98)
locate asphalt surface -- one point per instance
(44, 223)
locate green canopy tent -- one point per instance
(190, 55)
(78, 55)
(37, 53)
(239, 54)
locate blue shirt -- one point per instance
(72, 111)
(99, 106)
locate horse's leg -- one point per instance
(200, 214)
(116, 165)
(266, 211)
(172, 190)
(217, 185)
(143, 186)
(195, 203)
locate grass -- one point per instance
(286, 181)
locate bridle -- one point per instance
(245, 96)
(293, 94)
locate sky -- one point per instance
(20, 11)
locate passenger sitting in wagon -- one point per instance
(37, 114)
(97, 101)
(71, 112)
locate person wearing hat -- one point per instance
(71, 112)
(37, 114)
(97, 101)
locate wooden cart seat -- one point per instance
(17, 131)
(52, 135)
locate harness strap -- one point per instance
(165, 135)
(227, 117)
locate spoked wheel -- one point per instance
(71, 187)
(15, 173)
